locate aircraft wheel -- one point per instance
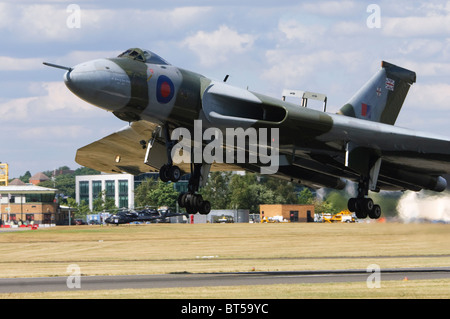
(196, 201)
(174, 173)
(351, 204)
(182, 200)
(205, 207)
(190, 210)
(360, 208)
(367, 205)
(360, 214)
(376, 212)
(164, 173)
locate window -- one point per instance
(123, 201)
(123, 187)
(84, 191)
(110, 189)
(96, 188)
(143, 56)
(123, 193)
(181, 187)
(39, 198)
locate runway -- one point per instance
(48, 284)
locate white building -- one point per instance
(119, 187)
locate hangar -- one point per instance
(291, 213)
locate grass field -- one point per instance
(167, 248)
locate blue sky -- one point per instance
(321, 46)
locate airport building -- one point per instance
(26, 203)
(119, 187)
(291, 213)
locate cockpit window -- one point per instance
(143, 56)
(135, 54)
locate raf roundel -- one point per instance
(164, 89)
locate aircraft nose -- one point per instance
(100, 82)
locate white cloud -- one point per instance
(349, 28)
(330, 8)
(215, 47)
(416, 26)
(426, 69)
(431, 96)
(16, 109)
(54, 132)
(294, 30)
(48, 22)
(424, 47)
(19, 64)
(56, 97)
(294, 70)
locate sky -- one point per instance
(330, 47)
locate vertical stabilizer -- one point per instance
(382, 97)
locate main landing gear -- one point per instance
(362, 206)
(191, 201)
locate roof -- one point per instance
(21, 189)
(39, 177)
(16, 182)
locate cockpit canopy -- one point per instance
(145, 56)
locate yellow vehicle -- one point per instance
(276, 219)
(344, 216)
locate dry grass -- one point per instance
(165, 248)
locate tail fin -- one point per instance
(382, 97)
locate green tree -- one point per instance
(63, 183)
(141, 193)
(306, 197)
(249, 191)
(26, 177)
(155, 193)
(217, 190)
(103, 203)
(86, 171)
(284, 191)
(241, 195)
(338, 199)
(164, 195)
(80, 209)
(323, 206)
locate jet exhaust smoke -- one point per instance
(419, 207)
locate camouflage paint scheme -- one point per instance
(317, 149)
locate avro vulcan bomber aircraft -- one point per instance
(315, 148)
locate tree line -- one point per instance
(225, 190)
